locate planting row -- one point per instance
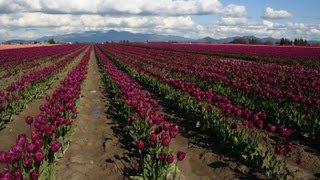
(233, 99)
(244, 143)
(33, 63)
(286, 54)
(29, 86)
(146, 126)
(13, 57)
(278, 79)
(34, 157)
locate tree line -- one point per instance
(282, 41)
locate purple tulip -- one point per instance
(170, 159)
(272, 128)
(181, 155)
(38, 155)
(17, 175)
(55, 145)
(165, 141)
(161, 156)
(34, 175)
(29, 120)
(31, 148)
(140, 144)
(27, 161)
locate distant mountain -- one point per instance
(112, 35)
(229, 39)
(99, 36)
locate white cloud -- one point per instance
(315, 31)
(276, 14)
(233, 20)
(233, 10)
(112, 7)
(267, 23)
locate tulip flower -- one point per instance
(170, 159)
(181, 155)
(140, 144)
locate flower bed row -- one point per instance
(305, 122)
(241, 142)
(29, 64)
(146, 126)
(22, 91)
(13, 57)
(34, 157)
(283, 54)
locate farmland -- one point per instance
(160, 111)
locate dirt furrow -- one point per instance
(95, 151)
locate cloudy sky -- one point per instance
(29, 19)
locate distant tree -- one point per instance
(285, 41)
(253, 40)
(240, 40)
(268, 43)
(51, 41)
(300, 42)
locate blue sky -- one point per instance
(31, 19)
(298, 8)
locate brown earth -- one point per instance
(95, 151)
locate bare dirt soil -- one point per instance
(95, 151)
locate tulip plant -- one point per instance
(248, 91)
(286, 54)
(242, 142)
(34, 157)
(148, 129)
(29, 86)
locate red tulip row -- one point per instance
(13, 92)
(13, 57)
(297, 83)
(148, 128)
(241, 142)
(249, 117)
(28, 64)
(287, 52)
(303, 120)
(27, 156)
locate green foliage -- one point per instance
(51, 41)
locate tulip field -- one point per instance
(160, 111)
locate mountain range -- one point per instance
(112, 35)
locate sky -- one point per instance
(31, 19)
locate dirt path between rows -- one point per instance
(18, 126)
(95, 151)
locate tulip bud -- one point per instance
(170, 159)
(140, 144)
(181, 155)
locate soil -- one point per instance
(95, 151)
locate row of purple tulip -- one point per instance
(148, 128)
(27, 156)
